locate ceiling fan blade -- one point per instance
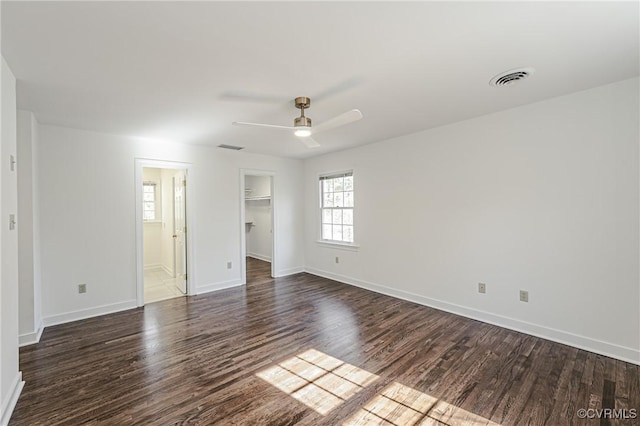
(340, 120)
(272, 126)
(310, 143)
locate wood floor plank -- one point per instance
(250, 356)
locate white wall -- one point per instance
(88, 224)
(152, 232)
(30, 307)
(260, 186)
(544, 197)
(258, 212)
(10, 377)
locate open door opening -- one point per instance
(258, 230)
(164, 233)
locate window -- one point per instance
(336, 204)
(149, 201)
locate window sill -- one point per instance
(151, 221)
(339, 246)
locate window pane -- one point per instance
(347, 216)
(149, 206)
(149, 215)
(326, 216)
(348, 199)
(328, 200)
(336, 208)
(328, 185)
(337, 217)
(347, 233)
(337, 232)
(338, 184)
(149, 196)
(326, 232)
(148, 188)
(338, 199)
(348, 183)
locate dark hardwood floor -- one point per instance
(310, 351)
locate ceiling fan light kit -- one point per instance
(302, 125)
(302, 133)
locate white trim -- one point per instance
(31, 338)
(139, 165)
(166, 269)
(152, 266)
(290, 271)
(582, 342)
(259, 257)
(243, 225)
(9, 403)
(218, 286)
(337, 245)
(335, 173)
(89, 313)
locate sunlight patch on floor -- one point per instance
(318, 380)
(401, 405)
(323, 382)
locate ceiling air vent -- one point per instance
(233, 147)
(511, 77)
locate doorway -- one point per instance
(258, 223)
(163, 244)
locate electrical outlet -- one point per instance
(337, 259)
(524, 296)
(229, 265)
(82, 288)
(482, 288)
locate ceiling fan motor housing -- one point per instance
(302, 102)
(302, 122)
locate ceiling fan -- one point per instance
(302, 125)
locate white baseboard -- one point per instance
(89, 313)
(10, 401)
(581, 342)
(152, 266)
(166, 269)
(31, 338)
(218, 286)
(290, 271)
(260, 257)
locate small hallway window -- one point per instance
(149, 201)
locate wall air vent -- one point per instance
(511, 77)
(233, 147)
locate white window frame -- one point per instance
(156, 205)
(327, 242)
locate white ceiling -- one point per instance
(182, 71)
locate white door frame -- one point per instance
(243, 230)
(140, 164)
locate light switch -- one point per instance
(12, 222)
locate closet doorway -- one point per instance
(258, 230)
(161, 198)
